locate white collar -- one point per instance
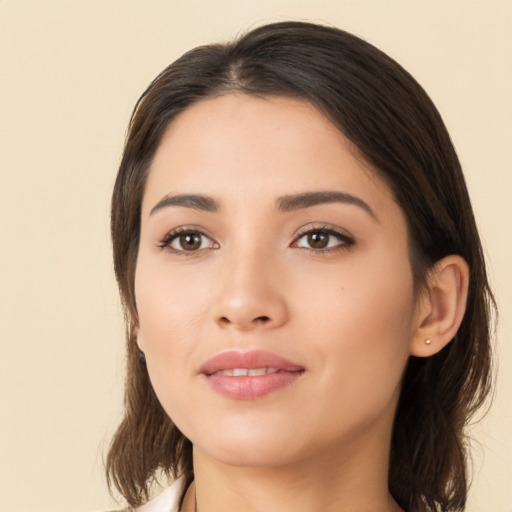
(168, 500)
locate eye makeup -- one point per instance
(321, 238)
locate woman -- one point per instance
(306, 298)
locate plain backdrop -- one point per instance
(70, 73)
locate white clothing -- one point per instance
(167, 501)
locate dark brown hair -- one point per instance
(388, 116)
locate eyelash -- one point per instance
(345, 241)
(174, 234)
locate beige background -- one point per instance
(70, 74)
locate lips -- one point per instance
(245, 372)
(249, 375)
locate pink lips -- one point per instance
(249, 375)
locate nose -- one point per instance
(252, 295)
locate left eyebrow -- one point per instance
(307, 199)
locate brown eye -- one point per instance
(188, 241)
(318, 240)
(324, 240)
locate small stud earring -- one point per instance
(142, 357)
(428, 342)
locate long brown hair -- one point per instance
(378, 106)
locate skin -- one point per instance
(347, 313)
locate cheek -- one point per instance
(168, 307)
(364, 322)
(168, 304)
(367, 294)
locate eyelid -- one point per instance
(346, 239)
(173, 234)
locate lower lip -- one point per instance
(253, 387)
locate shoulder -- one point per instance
(167, 501)
(127, 509)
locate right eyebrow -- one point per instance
(194, 201)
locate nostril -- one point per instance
(244, 323)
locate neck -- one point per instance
(328, 483)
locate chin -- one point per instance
(241, 455)
(250, 447)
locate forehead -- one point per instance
(246, 147)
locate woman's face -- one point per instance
(273, 284)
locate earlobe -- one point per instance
(136, 336)
(442, 306)
(140, 345)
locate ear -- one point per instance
(441, 306)
(138, 338)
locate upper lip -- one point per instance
(252, 359)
